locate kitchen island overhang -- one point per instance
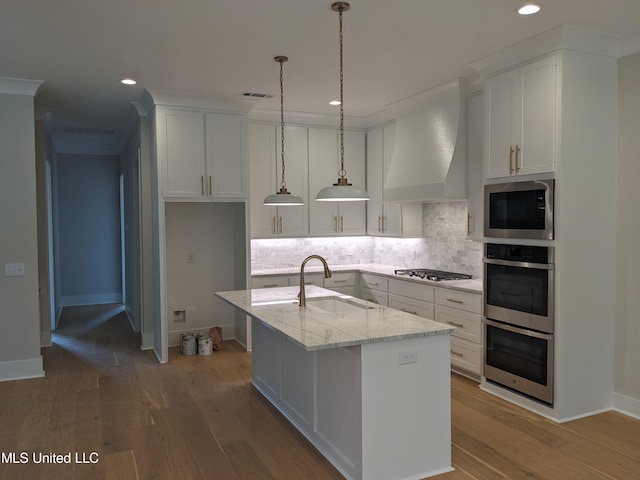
(367, 385)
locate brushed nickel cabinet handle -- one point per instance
(456, 353)
(335, 224)
(339, 281)
(372, 300)
(510, 159)
(460, 302)
(409, 311)
(517, 152)
(458, 325)
(372, 283)
(273, 225)
(469, 225)
(379, 224)
(210, 186)
(271, 285)
(341, 224)
(202, 185)
(281, 224)
(383, 223)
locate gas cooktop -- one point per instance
(433, 275)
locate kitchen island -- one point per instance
(367, 385)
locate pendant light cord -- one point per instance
(283, 184)
(342, 171)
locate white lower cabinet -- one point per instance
(374, 288)
(463, 311)
(343, 282)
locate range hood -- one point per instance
(429, 161)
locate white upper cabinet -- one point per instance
(520, 118)
(201, 155)
(265, 177)
(387, 219)
(335, 218)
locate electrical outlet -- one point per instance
(189, 257)
(408, 357)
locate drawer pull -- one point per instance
(456, 353)
(409, 311)
(458, 325)
(372, 300)
(339, 281)
(373, 283)
(271, 285)
(460, 302)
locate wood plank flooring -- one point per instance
(198, 417)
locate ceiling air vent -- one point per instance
(88, 131)
(255, 95)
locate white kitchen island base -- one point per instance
(370, 409)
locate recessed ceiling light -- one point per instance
(128, 81)
(334, 102)
(529, 8)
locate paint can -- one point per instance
(205, 344)
(188, 344)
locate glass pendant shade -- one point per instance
(282, 198)
(342, 190)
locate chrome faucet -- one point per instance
(327, 274)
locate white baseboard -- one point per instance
(45, 338)
(626, 405)
(20, 369)
(93, 299)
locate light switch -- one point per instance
(13, 269)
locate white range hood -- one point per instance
(429, 161)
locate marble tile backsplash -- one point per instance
(444, 246)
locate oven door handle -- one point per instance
(509, 263)
(518, 330)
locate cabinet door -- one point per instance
(262, 178)
(375, 154)
(225, 176)
(499, 93)
(180, 136)
(536, 126)
(323, 171)
(353, 215)
(391, 212)
(292, 221)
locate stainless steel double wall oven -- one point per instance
(519, 289)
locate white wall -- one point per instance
(627, 358)
(19, 316)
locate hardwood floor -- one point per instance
(198, 417)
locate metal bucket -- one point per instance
(205, 345)
(188, 344)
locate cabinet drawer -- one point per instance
(471, 302)
(374, 282)
(340, 279)
(412, 289)
(374, 296)
(466, 355)
(468, 325)
(411, 305)
(270, 282)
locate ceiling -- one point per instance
(392, 50)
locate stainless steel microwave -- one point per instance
(519, 210)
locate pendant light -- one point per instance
(282, 197)
(342, 191)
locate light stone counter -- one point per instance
(320, 327)
(473, 285)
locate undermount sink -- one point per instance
(338, 304)
(328, 304)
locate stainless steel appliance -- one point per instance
(519, 285)
(433, 275)
(519, 210)
(519, 320)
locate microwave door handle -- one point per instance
(509, 263)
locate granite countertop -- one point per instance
(326, 323)
(473, 285)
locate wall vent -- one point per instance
(255, 95)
